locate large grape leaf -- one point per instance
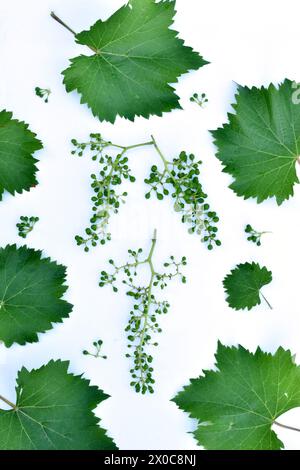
(136, 58)
(30, 294)
(53, 411)
(237, 405)
(17, 145)
(244, 283)
(260, 145)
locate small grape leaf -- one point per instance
(243, 285)
(260, 145)
(237, 405)
(136, 57)
(53, 411)
(17, 145)
(30, 294)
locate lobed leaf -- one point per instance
(136, 58)
(53, 411)
(237, 405)
(31, 288)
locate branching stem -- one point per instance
(165, 162)
(147, 310)
(106, 200)
(178, 178)
(143, 322)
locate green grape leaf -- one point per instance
(260, 145)
(135, 59)
(237, 405)
(30, 294)
(17, 145)
(53, 411)
(243, 285)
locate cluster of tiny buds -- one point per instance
(97, 352)
(143, 322)
(180, 179)
(26, 225)
(106, 201)
(200, 100)
(253, 235)
(129, 269)
(43, 93)
(96, 145)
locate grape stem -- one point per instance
(131, 147)
(9, 403)
(291, 428)
(165, 162)
(147, 311)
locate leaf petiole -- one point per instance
(56, 18)
(9, 403)
(267, 302)
(291, 428)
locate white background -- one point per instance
(251, 43)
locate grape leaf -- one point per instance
(237, 405)
(136, 57)
(53, 410)
(243, 285)
(260, 145)
(30, 294)
(17, 145)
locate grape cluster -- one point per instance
(97, 353)
(106, 200)
(26, 225)
(43, 93)
(144, 317)
(199, 100)
(253, 235)
(180, 179)
(96, 145)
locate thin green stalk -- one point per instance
(267, 302)
(62, 23)
(9, 403)
(131, 147)
(291, 428)
(165, 161)
(113, 167)
(56, 18)
(143, 320)
(104, 220)
(166, 164)
(147, 260)
(147, 310)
